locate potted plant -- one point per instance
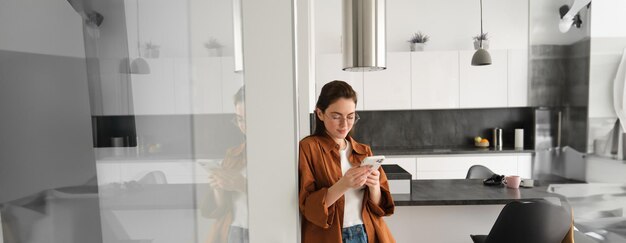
(152, 50)
(480, 37)
(418, 41)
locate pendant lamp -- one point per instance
(364, 37)
(139, 65)
(481, 56)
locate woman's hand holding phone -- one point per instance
(373, 179)
(355, 177)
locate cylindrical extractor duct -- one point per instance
(364, 35)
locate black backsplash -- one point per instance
(106, 127)
(209, 135)
(412, 129)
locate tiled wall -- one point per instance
(408, 129)
(176, 135)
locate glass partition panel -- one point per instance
(123, 121)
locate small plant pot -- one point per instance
(152, 53)
(215, 52)
(417, 46)
(477, 44)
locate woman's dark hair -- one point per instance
(330, 93)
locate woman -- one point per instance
(230, 203)
(340, 201)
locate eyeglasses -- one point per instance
(339, 119)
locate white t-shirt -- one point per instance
(240, 206)
(353, 197)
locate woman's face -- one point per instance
(338, 118)
(240, 118)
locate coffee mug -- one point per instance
(527, 183)
(512, 181)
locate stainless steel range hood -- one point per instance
(364, 35)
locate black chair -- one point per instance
(478, 172)
(524, 222)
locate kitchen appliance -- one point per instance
(552, 160)
(364, 35)
(497, 138)
(519, 138)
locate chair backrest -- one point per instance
(524, 222)
(478, 172)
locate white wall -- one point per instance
(608, 19)
(545, 23)
(46, 27)
(451, 24)
(608, 41)
(271, 115)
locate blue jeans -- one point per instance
(354, 234)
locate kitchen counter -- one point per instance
(470, 192)
(447, 150)
(395, 172)
(131, 154)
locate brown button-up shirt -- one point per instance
(320, 168)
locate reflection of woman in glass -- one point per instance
(339, 200)
(229, 190)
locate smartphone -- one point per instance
(373, 161)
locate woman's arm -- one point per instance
(355, 177)
(373, 184)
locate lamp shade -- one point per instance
(364, 36)
(139, 66)
(481, 57)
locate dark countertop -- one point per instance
(446, 150)
(469, 192)
(395, 172)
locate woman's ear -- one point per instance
(319, 114)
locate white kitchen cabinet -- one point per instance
(328, 67)
(206, 80)
(111, 92)
(434, 87)
(483, 86)
(177, 86)
(456, 166)
(182, 86)
(214, 84)
(517, 78)
(175, 171)
(167, 88)
(389, 89)
(153, 93)
(407, 163)
(524, 165)
(416, 80)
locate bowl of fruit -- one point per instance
(481, 142)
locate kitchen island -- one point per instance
(450, 210)
(470, 192)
